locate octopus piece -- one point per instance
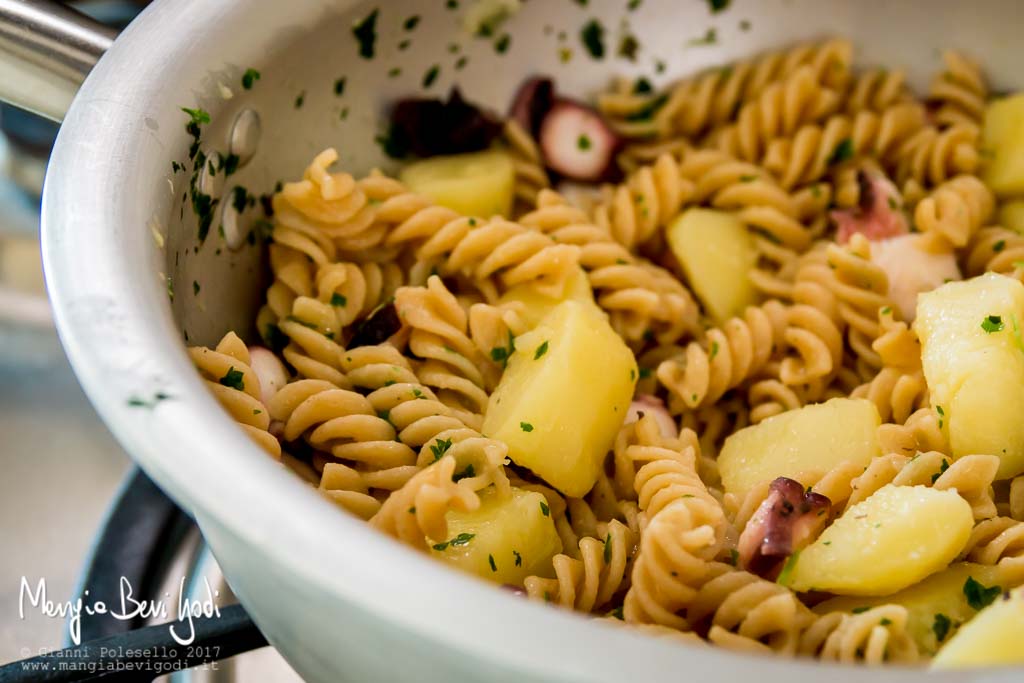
(787, 521)
(912, 267)
(646, 404)
(879, 213)
(270, 371)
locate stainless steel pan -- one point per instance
(338, 600)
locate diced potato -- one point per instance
(563, 397)
(474, 184)
(1011, 215)
(1002, 138)
(716, 252)
(935, 606)
(895, 538)
(991, 638)
(537, 305)
(973, 360)
(814, 438)
(504, 540)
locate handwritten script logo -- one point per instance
(128, 607)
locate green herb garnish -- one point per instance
(519, 558)
(942, 469)
(992, 323)
(431, 76)
(249, 78)
(608, 549)
(592, 36)
(526, 426)
(440, 447)
(365, 32)
(978, 595)
(339, 86)
(842, 152)
(411, 22)
(490, 561)
(460, 540)
(544, 509)
(941, 626)
(339, 300)
(541, 350)
(234, 379)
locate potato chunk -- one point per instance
(563, 397)
(974, 364)
(716, 252)
(895, 538)
(504, 540)
(991, 638)
(936, 607)
(474, 184)
(1002, 138)
(814, 438)
(536, 305)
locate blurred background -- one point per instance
(60, 466)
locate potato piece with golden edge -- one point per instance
(536, 305)
(1011, 215)
(973, 361)
(716, 252)
(937, 606)
(474, 184)
(991, 638)
(564, 395)
(895, 538)
(1002, 139)
(814, 438)
(504, 540)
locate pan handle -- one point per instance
(46, 51)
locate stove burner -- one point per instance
(142, 532)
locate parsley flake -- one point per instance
(526, 426)
(592, 36)
(440, 447)
(544, 509)
(992, 323)
(365, 32)
(490, 561)
(978, 595)
(842, 152)
(339, 300)
(608, 549)
(541, 350)
(234, 379)
(249, 78)
(941, 626)
(460, 540)
(519, 558)
(942, 469)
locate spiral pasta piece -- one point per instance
(997, 250)
(593, 579)
(812, 151)
(955, 210)
(861, 288)
(691, 106)
(921, 432)
(345, 293)
(531, 176)
(227, 372)
(896, 393)
(452, 364)
(876, 90)
(747, 613)
(933, 155)
(875, 636)
(641, 298)
(959, 92)
(778, 112)
(736, 351)
(999, 540)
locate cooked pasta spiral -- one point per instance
(959, 92)
(736, 351)
(748, 613)
(861, 288)
(955, 210)
(590, 581)
(531, 177)
(875, 636)
(933, 155)
(997, 250)
(999, 540)
(452, 364)
(236, 386)
(876, 90)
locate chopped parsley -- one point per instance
(460, 540)
(886, 621)
(859, 610)
(592, 36)
(642, 86)
(787, 569)
(249, 78)
(734, 557)
(139, 402)
(714, 350)
(392, 144)
(992, 323)
(978, 595)
(647, 112)
(526, 426)
(440, 447)
(501, 354)
(748, 178)
(633, 4)
(942, 469)
(416, 393)
(490, 561)
(519, 558)
(411, 22)
(745, 25)
(502, 44)
(645, 373)
(339, 86)
(583, 142)
(608, 549)
(842, 152)
(710, 37)
(198, 116)
(717, 5)
(628, 47)
(544, 509)
(195, 288)
(234, 379)
(276, 339)
(617, 613)
(300, 99)
(365, 32)
(339, 300)
(887, 310)
(999, 246)
(431, 76)
(941, 626)
(541, 350)
(465, 474)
